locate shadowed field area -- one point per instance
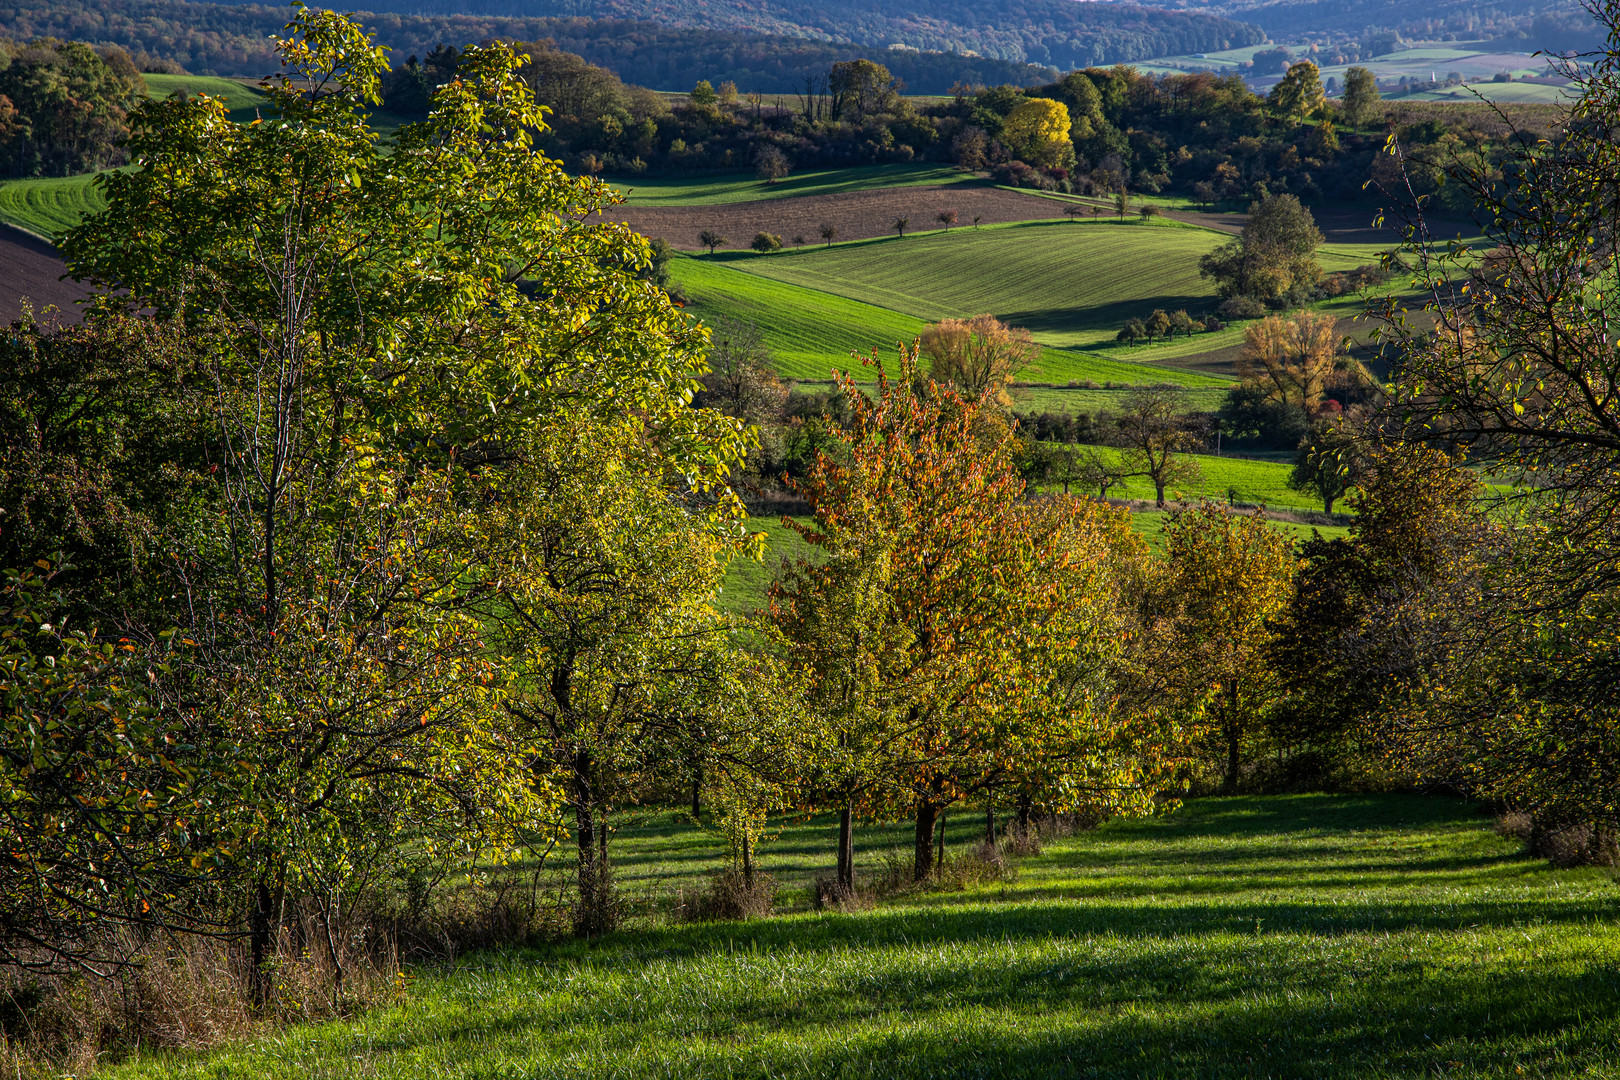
(1303, 936)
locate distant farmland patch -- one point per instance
(1070, 284)
(744, 187)
(855, 214)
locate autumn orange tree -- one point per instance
(978, 355)
(1292, 358)
(944, 608)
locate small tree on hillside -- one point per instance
(1122, 204)
(900, 225)
(771, 164)
(1274, 257)
(710, 239)
(1181, 323)
(946, 218)
(829, 233)
(979, 356)
(1360, 105)
(1293, 358)
(765, 243)
(1326, 465)
(1158, 324)
(1156, 435)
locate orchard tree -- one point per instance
(382, 325)
(1293, 358)
(1274, 257)
(1361, 97)
(1326, 465)
(980, 356)
(1202, 653)
(1156, 435)
(960, 604)
(1299, 95)
(710, 239)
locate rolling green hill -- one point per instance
(240, 98)
(1069, 283)
(49, 206)
(811, 332)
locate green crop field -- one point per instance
(1332, 937)
(1252, 481)
(49, 206)
(240, 98)
(743, 187)
(811, 332)
(1090, 402)
(1069, 283)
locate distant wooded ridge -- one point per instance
(1513, 25)
(667, 44)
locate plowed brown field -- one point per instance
(30, 268)
(856, 215)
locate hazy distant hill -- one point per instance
(1524, 25)
(1062, 33)
(771, 39)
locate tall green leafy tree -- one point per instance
(386, 328)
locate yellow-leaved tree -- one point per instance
(1201, 658)
(1038, 131)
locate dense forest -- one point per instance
(1517, 25)
(1055, 32)
(233, 39)
(64, 107)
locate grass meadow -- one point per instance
(1309, 936)
(811, 333)
(50, 206)
(745, 187)
(1069, 283)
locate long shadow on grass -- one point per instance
(1182, 1008)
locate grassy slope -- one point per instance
(1305, 936)
(1255, 481)
(1070, 283)
(812, 332)
(49, 206)
(743, 187)
(241, 99)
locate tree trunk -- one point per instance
(846, 849)
(923, 864)
(590, 882)
(748, 862)
(989, 820)
(1158, 491)
(1327, 503)
(1023, 815)
(260, 942)
(1233, 737)
(939, 849)
(697, 793)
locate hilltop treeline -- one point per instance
(1518, 25)
(1052, 32)
(1205, 135)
